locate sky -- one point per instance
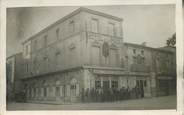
(152, 24)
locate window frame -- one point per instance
(97, 22)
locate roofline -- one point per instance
(14, 55)
(70, 15)
(151, 48)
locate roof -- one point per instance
(168, 48)
(20, 53)
(72, 14)
(163, 49)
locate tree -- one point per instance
(172, 41)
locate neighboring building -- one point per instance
(84, 51)
(14, 70)
(153, 67)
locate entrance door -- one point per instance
(105, 85)
(140, 85)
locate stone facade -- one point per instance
(85, 50)
(14, 70)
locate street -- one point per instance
(166, 102)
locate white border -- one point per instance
(36, 3)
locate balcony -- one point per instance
(100, 36)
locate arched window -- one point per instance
(58, 89)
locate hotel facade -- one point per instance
(85, 50)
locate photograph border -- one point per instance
(39, 3)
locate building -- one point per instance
(85, 51)
(14, 70)
(155, 67)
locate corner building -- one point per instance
(84, 50)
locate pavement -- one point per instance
(165, 102)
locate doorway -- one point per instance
(140, 87)
(105, 85)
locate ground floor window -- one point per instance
(163, 87)
(145, 83)
(45, 92)
(57, 92)
(34, 92)
(73, 90)
(39, 91)
(114, 84)
(97, 84)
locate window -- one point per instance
(95, 26)
(143, 60)
(72, 26)
(134, 51)
(35, 45)
(39, 91)
(73, 87)
(113, 57)
(45, 92)
(27, 67)
(142, 52)
(34, 90)
(145, 83)
(35, 62)
(137, 82)
(134, 60)
(57, 33)
(114, 84)
(97, 84)
(106, 84)
(26, 52)
(57, 92)
(95, 55)
(139, 59)
(45, 41)
(112, 30)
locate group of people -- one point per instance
(111, 94)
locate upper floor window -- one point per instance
(35, 45)
(112, 29)
(27, 67)
(134, 51)
(72, 26)
(142, 52)
(95, 55)
(113, 57)
(57, 33)
(45, 41)
(27, 50)
(134, 60)
(95, 25)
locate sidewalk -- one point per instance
(166, 102)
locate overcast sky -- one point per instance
(152, 24)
